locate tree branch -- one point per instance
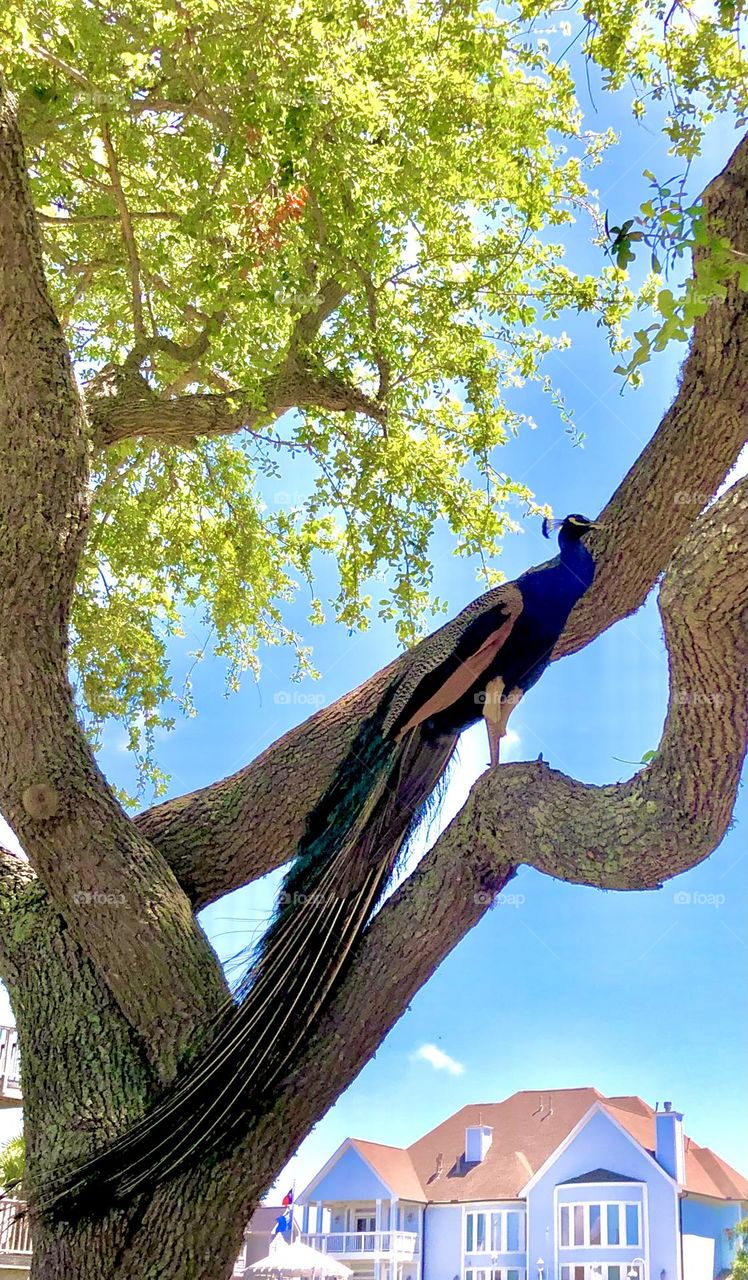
(15, 874)
(214, 115)
(183, 419)
(665, 820)
(137, 106)
(697, 442)
(128, 235)
(228, 834)
(52, 220)
(299, 383)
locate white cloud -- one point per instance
(438, 1059)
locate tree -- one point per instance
(12, 1161)
(342, 210)
(739, 1237)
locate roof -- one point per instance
(595, 1175)
(264, 1218)
(527, 1129)
(394, 1166)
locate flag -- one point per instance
(282, 1224)
(287, 1199)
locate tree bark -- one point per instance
(109, 974)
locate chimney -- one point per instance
(669, 1147)
(477, 1141)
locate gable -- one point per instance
(348, 1176)
(599, 1142)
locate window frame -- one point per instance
(490, 1215)
(566, 1269)
(492, 1273)
(571, 1206)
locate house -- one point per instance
(259, 1234)
(569, 1185)
(10, 1068)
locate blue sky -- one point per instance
(558, 986)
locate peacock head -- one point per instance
(570, 529)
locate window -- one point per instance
(602, 1271)
(604, 1224)
(494, 1273)
(614, 1234)
(632, 1224)
(475, 1241)
(595, 1225)
(501, 1231)
(514, 1236)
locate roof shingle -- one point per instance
(527, 1129)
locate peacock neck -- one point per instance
(577, 560)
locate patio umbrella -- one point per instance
(299, 1259)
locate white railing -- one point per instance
(15, 1231)
(392, 1244)
(10, 1066)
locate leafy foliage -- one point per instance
(739, 1236)
(369, 189)
(12, 1163)
(671, 229)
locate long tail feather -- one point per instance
(352, 846)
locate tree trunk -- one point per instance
(111, 978)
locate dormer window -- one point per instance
(478, 1138)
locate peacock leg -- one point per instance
(497, 708)
(492, 715)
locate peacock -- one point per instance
(478, 664)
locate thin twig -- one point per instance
(78, 219)
(128, 235)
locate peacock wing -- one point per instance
(444, 666)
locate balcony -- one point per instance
(400, 1246)
(10, 1069)
(15, 1235)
